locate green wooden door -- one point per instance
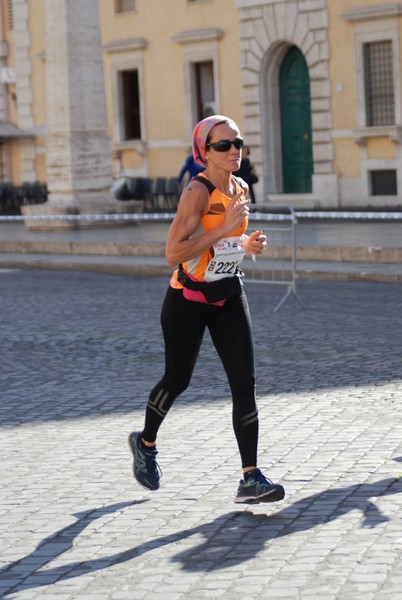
(297, 150)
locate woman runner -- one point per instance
(207, 240)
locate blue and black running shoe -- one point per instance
(145, 468)
(257, 488)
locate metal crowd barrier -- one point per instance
(350, 215)
(277, 266)
(90, 217)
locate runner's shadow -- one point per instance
(229, 540)
(53, 546)
(240, 536)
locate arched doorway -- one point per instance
(295, 111)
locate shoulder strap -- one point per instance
(239, 181)
(210, 186)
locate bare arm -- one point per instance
(180, 246)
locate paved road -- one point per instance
(79, 353)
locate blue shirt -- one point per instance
(191, 167)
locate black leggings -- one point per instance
(183, 324)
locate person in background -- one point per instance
(247, 173)
(190, 167)
(207, 241)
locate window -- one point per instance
(127, 101)
(383, 183)
(122, 6)
(379, 83)
(131, 105)
(378, 68)
(204, 91)
(200, 73)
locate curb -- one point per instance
(155, 266)
(369, 254)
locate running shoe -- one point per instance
(145, 468)
(257, 488)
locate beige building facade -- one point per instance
(90, 90)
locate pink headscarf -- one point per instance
(200, 135)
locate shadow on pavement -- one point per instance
(231, 539)
(78, 344)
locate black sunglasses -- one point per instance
(225, 145)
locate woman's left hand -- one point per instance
(256, 242)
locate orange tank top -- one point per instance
(221, 259)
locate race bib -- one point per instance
(228, 254)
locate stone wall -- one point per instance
(268, 28)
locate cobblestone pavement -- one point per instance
(79, 354)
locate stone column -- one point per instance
(23, 68)
(79, 160)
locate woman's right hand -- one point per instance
(236, 211)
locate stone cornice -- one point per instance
(198, 35)
(9, 130)
(362, 134)
(252, 3)
(378, 11)
(122, 45)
